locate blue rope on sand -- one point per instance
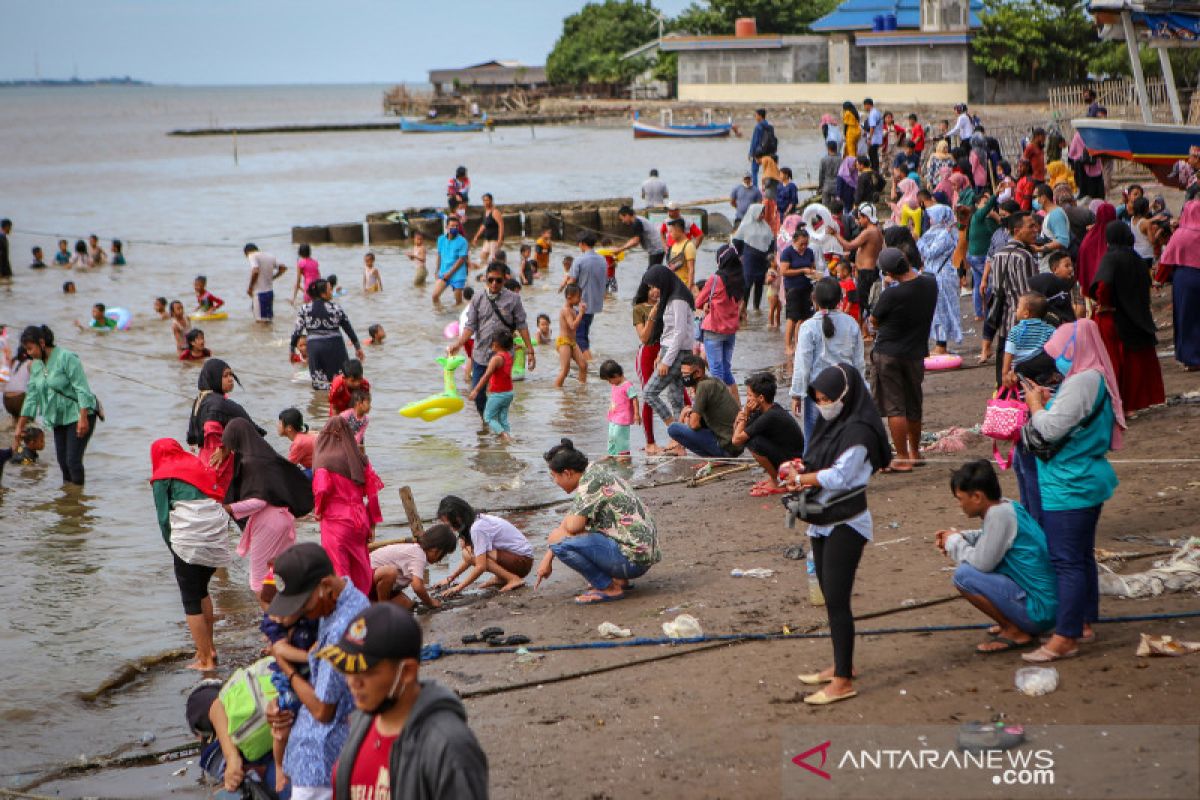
(432, 652)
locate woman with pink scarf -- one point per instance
(1183, 254)
(907, 210)
(346, 492)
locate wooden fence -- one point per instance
(1118, 95)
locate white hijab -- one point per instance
(753, 231)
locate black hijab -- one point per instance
(669, 288)
(901, 238)
(858, 424)
(1057, 291)
(1129, 279)
(729, 267)
(260, 472)
(211, 405)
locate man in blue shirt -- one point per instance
(590, 273)
(743, 196)
(874, 126)
(308, 587)
(761, 126)
(787, 196)
(452, 250)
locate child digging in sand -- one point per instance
(490, 544)
(569, 318)
(397, 567)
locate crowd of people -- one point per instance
(860, 280)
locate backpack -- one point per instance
(245, 697)
(768, 144)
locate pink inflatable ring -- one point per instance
(948, 361)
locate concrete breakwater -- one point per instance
(565, 220)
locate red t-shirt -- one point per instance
(339, 394)
(917, 134)
(501, 380)
(846, 306)
(371, 778)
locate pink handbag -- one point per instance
(1003, 419)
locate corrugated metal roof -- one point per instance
(854, 15)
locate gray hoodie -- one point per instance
(436, 756)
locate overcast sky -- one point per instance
(273, 41)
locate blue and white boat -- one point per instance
(668, 130)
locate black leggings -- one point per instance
(754, 286)
(69, 449)
(193, 584)
(836, 559)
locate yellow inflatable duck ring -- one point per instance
(439, 405)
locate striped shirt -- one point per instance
(1026, 338)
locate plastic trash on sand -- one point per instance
(611, 630)
(1037, 681)
(685, 626)
(1165, 646)
(757, 572)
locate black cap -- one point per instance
(385, 631)
(198, 703)
(892, 261)
(298, 570)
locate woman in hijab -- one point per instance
(907, 210)
(178, 476)
(1085, 418)
(848, 445)
(671, 326)
(941, 159)
(847, 181)
(851, 130)
(721, 300)
(936, 248)
(346, 500)
(1121, 289)
(757, 243)
(979, 162)
(1182, 254)
(322, 322)
(268, 492)
(1093, 247)
(211, 412)
(1058, 172)
(830, 130)
(902, 239)
(1089, 170)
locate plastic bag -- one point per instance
(1037, 681)
(685, 626)
(199, 533)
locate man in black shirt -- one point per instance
(767, 430)
(902, 317)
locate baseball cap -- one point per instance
(747, 175)
(890, 261)
(199, 701)
(298, 571)
(382, 632)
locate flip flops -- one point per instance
(812, 679)
(1044, 656)
(1009, 645)
(822, 699)
(597, 598)
(766, 491)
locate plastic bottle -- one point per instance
(815, 596)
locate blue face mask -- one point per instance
(1063, 362)
(1037, 205)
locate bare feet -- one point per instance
(495, 583)
(653, 450)
(203, 666)
(515, 583)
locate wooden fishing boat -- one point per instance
(416, 126)
(668, 130)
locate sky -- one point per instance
(273, 41)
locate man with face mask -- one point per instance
(307, 587)
(452, 248)
(409, 738)
(706, 426)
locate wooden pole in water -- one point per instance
(410, 511)
(235, 156)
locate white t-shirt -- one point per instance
(654, 192)
(266, 264)
(490, 533)
(408, 559)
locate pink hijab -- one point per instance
(787, 229)
(1184, 248)
(908, 197)
(1089, 352)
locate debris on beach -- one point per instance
(757, 572)
(610, 630)
(1037, 681)
(1165, 646)
(1179, 573)
(685, 626)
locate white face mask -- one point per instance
(829, 411)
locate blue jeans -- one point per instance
(495, 413)
(583, 331)
(1001, 590)
(477, 371)
(977, 263)
(1071, 539)
(1024, 466)
(753, 170)
(702, 442)
(809, 420)
(597, 558)
(719, 349)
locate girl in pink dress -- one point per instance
(307, 271)
(268, 492)
(346, 494)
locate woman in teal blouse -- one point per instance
(58, 392)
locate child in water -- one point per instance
(33, 442)
(179, 326)
(377, 334)
(160, 308)
(118, 255)
(206, 301)
(623, 410)
(63, 257)
(566, 265)
(291, 427)
(99, 321)
(344, 384)
(301, 354)
(528, 266)
(335, 290)
(68, 287)
(372, 280)
(569, 318)
(417, 256)
(37, 263)
(541, 249)
(357, 416)
(543, 329)
(196, 351)
(498, 377)
(397, 567)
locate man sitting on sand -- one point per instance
(1004, 569)
(706, 426)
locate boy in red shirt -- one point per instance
(350, 379)
(845, 278)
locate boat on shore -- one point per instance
(668, 130)
(417, 126)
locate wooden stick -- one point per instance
(410, 511)
(712, 476)
(373, 546)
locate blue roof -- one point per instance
(854, 15)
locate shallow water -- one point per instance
(88, 582)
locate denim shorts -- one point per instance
(1001, 590)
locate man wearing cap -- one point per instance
(644, 234)
(306, 586)
(742, 197)
(691, 231)
(865, 247)
(902, 316)
(590, 273)
(409, 738)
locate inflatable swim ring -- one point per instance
(451, 330)
(121, 316)
(439, 405)
(611, 252)
(948, 361)
(201, 316)
(518, 370)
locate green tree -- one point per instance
(1112, 58)
(711, 17)
(590, 47)
(1035, 40)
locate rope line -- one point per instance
(223, 245)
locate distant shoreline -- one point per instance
(126, 81)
